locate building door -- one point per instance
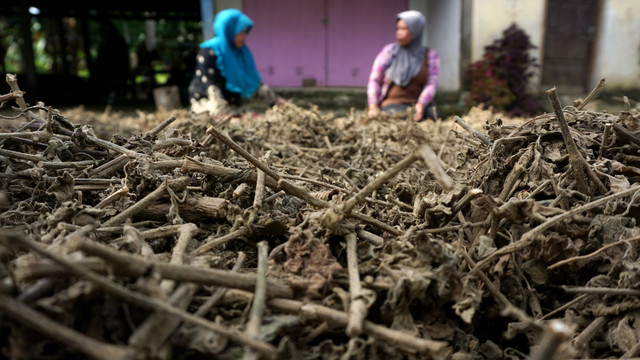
(329, 43)
(569, 33)
(288, 40)
(357, 31)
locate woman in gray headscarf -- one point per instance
(405, 73)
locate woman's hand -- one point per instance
(419, 112)
(374, 110)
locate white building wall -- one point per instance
(443, 33)
(491, 17)
(617, 55)
(228, 4)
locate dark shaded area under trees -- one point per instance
(99, 52)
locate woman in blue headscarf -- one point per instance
(225, 73)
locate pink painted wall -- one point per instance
(332, 41)
(287, 40)
(357, 31)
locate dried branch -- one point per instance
(436, 349)
(137, 298)
(75, 340)
(580, 169)
(358, 299)
(530, 236)
(131, 265)
(554, 336)
(589, 332)
(283, 184)
(175, 184)
(593, 254)
(478, 135)
(591, 95)
(259, 298)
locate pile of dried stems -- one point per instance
(299, 234)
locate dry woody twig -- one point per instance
(300, 233)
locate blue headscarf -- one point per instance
(235, 64)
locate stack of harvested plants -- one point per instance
(297, 234)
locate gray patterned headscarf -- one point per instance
(407, 60)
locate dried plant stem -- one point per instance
(478, 135)
(564, 307)
(589, 332)
(116, 148)
(283, 184)
(211, 243)
(317, 331)
(153, 333)
(120, 161)
(156, 130)
(591, 95)
(22, 156)
(185, 235)
(39, 136)
(193, 209)
(206, 306)
(175, 184)
(604, 144)
(370, 237)
(434, 164)
(9, 97)
(527, 123)
(626, 134)
(357, 304)
(333, 215)
(171, 142)
(508, 309)
(632, 353)
(260, 179)
(26, 316)
(12, 81)
(109, 167)
(530, 236)
(314, 182)
(339, 318)
(196, 338)
(377, 223)
(193, 165)
(554, 336)
(65, 165)
(163, 231)
(45, 269)
(259, 298)
(113, 197)
(131, 265)
(599, 290)
(350, 203)
(139, 299)
(462, 203)
(515, 173)
(593, 254)
(166, 165)
(580, 169)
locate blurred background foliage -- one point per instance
(145, 53)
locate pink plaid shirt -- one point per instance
(379, 82)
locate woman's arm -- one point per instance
(429, 92)
(380, 64)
